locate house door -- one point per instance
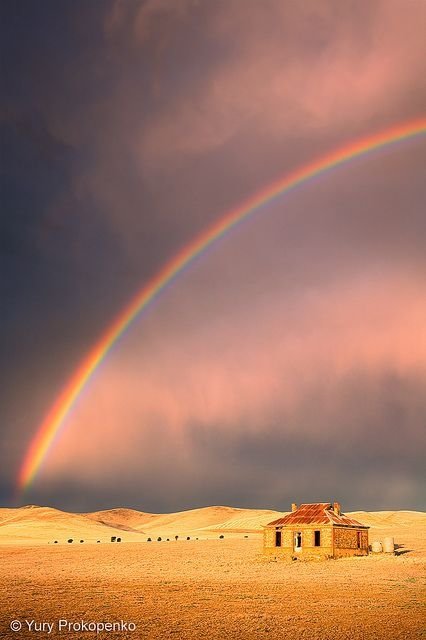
(297, 540)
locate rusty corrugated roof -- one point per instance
(316, 513)
(342, 519)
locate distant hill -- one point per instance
(42, 525)
(122, 518)
(388, 518)
(201, 521)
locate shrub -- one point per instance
(176, 537)
(97, 541)
(81, 541)
(56, 542)
(188, 538)
(149, 540)
(221, 537)
(113, 538)
(70, 540)
(168, 540)
(159, 539)
(118, 539)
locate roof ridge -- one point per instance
(314, 504)
(328, 514)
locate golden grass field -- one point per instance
(206, 588)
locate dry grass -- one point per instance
(39, 525)
(220, 588)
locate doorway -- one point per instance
(297, 540)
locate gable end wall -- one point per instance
(346, 542)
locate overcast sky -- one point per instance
(289, 362)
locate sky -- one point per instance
(288, 363)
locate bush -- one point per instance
(81, 541)
(70, 541)
(159, 539)
(221, 537)
(188, 538)
(176, 537)
(168, 540)
(97, 541)
(56, 542)
(149, 540)
(113, 538)
(118, 539)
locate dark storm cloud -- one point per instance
(126, 129)
(373, 457)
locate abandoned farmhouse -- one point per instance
(316, 530)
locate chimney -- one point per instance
(293, 506)
(336, 508)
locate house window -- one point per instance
(298, 540)
(277, 538)
(317, 538)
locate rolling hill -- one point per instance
(42, 525)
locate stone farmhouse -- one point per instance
(316, 530)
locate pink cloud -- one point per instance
(239, 377)
(291, 68)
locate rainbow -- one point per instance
(54, 421)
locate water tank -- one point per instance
(388, 545)
(376, 547)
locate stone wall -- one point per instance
(268, 538)
(335, 541)
(345, 538)
(308, 542)
(346, 542)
